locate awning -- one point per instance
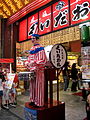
(6, 60)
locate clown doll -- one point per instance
(36, 63)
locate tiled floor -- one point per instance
(74, 107)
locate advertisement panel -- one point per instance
(23, 30)
(85, 57)
(32, 25)
(10, 80)
(45, 20)
(60, 14)
(79, 11)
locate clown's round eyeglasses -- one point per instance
(33, 38)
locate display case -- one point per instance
(24, 80)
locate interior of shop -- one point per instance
(73, 53)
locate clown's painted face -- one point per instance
(33, 39)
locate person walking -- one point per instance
(74, 76)
(65, 73)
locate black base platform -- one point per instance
(55, 111)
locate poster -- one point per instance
(9, 82)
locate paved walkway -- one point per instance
(74, 107)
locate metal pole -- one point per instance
(10, 67)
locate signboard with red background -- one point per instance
(23, 30)
(79, 11)
(60, 14)
(45, 21)
(32, 25)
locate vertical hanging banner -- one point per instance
(23, 30)
(79, 11)
(45, 21)
(32, 25)
(60, 14)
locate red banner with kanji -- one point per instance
(79, 11)
(32, 25)
(45, 20)
(60, 15)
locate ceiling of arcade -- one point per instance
(9, 7)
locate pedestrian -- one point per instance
(88, 107)
(65, 72)
(36, 63)
(2, 79)
(74, 76)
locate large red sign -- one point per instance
(45, 20)
(23, 30)
(79, 11)
(32, 25)
(60, 14)
(48, 20)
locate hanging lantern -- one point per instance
(84, 33)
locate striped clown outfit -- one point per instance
(36, 62)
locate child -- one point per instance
(13, 91)
(6, 92)
(13, 95)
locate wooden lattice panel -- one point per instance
(9, 7)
